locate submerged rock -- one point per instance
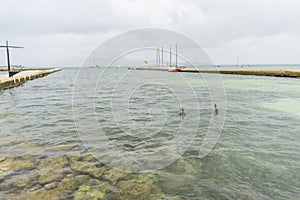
(52, 169)
(54, 163)
(94, 189)
(89, 158)
(55, 190)
(51, 186)
(72, 177)
(24, 164)
(113, 175)
(182, 166)
(48, 176)
(171, 183)
(76, 164)
(6, 167)
(2, 158)
(132, 189)
(137, 186)
(13, 184)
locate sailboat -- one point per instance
(176, 69)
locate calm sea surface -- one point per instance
(51, 127)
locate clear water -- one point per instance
(256, 157)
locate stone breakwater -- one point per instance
(23, 76)
(256, 72)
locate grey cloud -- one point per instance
(77, 26)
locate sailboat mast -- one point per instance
(170, 55)
(94, 64)
(176, 55)
(155, 56)
(162, 56)
(158, 52)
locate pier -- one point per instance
(23, 75)
(19, 75)
(255, 72)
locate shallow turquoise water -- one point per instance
(256, 157)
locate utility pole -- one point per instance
(10, 73)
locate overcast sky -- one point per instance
(64, 32)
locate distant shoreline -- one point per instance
(256, 72)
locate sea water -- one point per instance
(54, 120)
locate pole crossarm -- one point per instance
(10, 47)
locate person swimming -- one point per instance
(182, 113)
(216, 109)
